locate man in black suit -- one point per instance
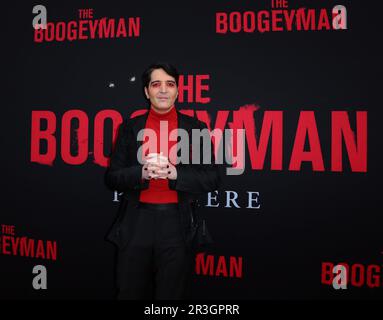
(157, 225)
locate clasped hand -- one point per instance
(157, 166)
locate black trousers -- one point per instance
(156, 264)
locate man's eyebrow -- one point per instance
(160, 81)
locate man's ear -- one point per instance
(146, 93)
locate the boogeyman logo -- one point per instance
(351, 275)
(267, 145)
(85, 27)
(282, 18)
(218, 266)
(11, 244)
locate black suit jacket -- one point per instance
(125, 175)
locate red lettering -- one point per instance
(305, 19)
(220, 124)
(221, 267)
(249, 21)
(72, 31)
(52, 250)
(263, 21)
(356, 150)
(373, 279)
(236, 267)
(200, 87)
(220, 22)
(327, 274)
(272, 126)
(60, 31)
(276, 18)
(357, 270)
(104, 30)
(50, 32)
(81, 138)
(289, 17)
(81, 29)
(93, 24)
(121, 28)
(38, 35)
(323, 22)
(206, 266)
(5, 243)
(307, 124)
(27, 247)
(40, 252)
(134, 26)
(99, 122)
(15, 245)
(235, 24)
(182, 87)
(258, 141)
(37, 135)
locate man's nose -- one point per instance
(163, 87)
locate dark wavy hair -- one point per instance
(167, 67)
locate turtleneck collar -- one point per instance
(172, 114)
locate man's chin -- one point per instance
(163, 108)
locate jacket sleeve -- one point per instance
(197, 178)
(123, 173)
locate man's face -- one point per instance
(162, 91)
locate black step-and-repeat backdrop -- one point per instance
(302, 78)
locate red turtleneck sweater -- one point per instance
(158, 191)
